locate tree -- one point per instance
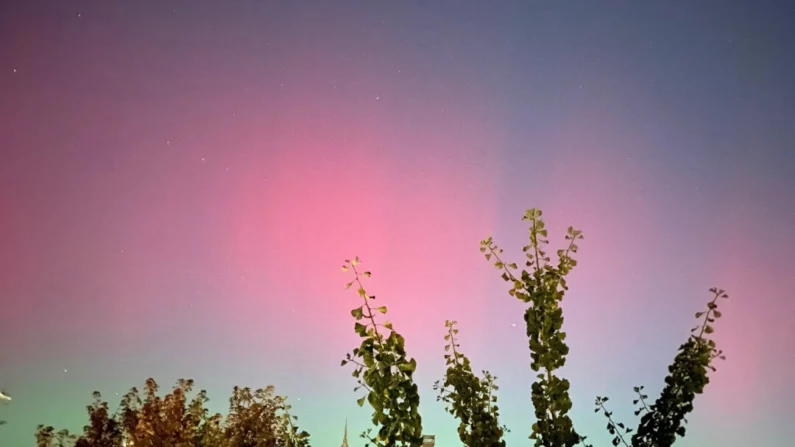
(469, 398)
(385, 372)
(47, 437)
(542, 286)
(258, 418)
(102, 430)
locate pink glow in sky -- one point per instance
(180, 182)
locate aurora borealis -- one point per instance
(181, 180)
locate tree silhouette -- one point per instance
(542, 286)
(385, 371)
(258, 418)
(469, 398)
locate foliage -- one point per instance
(543, 288)
(616, 429)
(257, 418)
(47, 437)
(472, 399)
(384, 371)
(663, 421)
(688, 375)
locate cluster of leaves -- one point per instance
(543, 287)
(687, 377)
(664, 420)
(469, 398)
(616, 429)
(384, 372)
(257, 418)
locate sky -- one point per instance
(180, 182)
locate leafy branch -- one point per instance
(543, 288)
(469, 398)
(687, 377)
(614, 428)
(641, 399)
(383, 370)
(293, 436)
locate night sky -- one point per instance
(181, 180)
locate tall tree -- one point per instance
(384, 371)
(469, 398)
(541, 286)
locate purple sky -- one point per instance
(180, 181)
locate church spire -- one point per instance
(345, 435)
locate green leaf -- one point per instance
(409, 366)
(382, 309)
(360, 401)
